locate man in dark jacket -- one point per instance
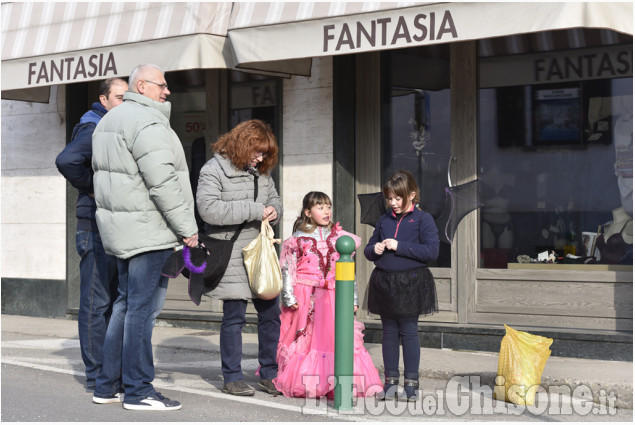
(97, 270)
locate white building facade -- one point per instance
(532, 103)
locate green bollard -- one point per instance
(344, 299)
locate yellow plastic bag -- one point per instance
(261, 262)
(521, 362)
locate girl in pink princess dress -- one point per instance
(307, 330)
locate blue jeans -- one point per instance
(97, 292)
(231, 338)
(406, 329)
(128, 347)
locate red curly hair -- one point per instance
(241, 143)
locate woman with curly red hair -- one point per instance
(243, 158)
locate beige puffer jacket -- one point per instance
(142, 186)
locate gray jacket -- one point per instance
(142, 186)
(225, 199)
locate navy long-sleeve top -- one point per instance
(74, 163)
(417, 237)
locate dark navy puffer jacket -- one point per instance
(74, 162)
(417, 237)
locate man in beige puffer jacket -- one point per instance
(145, 208)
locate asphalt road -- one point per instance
(42, 381)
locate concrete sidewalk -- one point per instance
(610, 376)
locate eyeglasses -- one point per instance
(162, 86)
(260, 154)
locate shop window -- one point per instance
(187, 114)
(556, 158)
(254, 96)
(188, 119)
(416, 124)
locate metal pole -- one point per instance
(344, 299)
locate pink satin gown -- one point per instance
(306, 346)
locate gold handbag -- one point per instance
(261, 262)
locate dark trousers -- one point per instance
(97, 293)
(231, 339)
(405, 329)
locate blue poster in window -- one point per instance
(556, 116)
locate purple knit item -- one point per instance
(188, 262)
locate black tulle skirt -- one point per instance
(402, 294)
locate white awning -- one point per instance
(51, 43)
(263, 34)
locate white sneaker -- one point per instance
(115, 398)
(155, 402)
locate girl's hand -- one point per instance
(294, 306)
(391, 244)
(355, 309)
(379, 248)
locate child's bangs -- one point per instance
(321, 199)
(398, 187)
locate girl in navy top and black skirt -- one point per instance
(401, 286)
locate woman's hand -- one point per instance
(294, 306)
(379, 248)
(355, 309)
(269, 213)
(192, 241)
(391, 244)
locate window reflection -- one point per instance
(253, 96)
(555, 160)
(416, 125)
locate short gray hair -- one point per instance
(139, 71)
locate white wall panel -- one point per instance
(12, 108)
(34, 251)
(33, 204)
(33, 200)
(30, 143)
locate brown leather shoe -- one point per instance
(267, 386)
(238, 388)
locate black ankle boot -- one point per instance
(410, 387)
(391, 385)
